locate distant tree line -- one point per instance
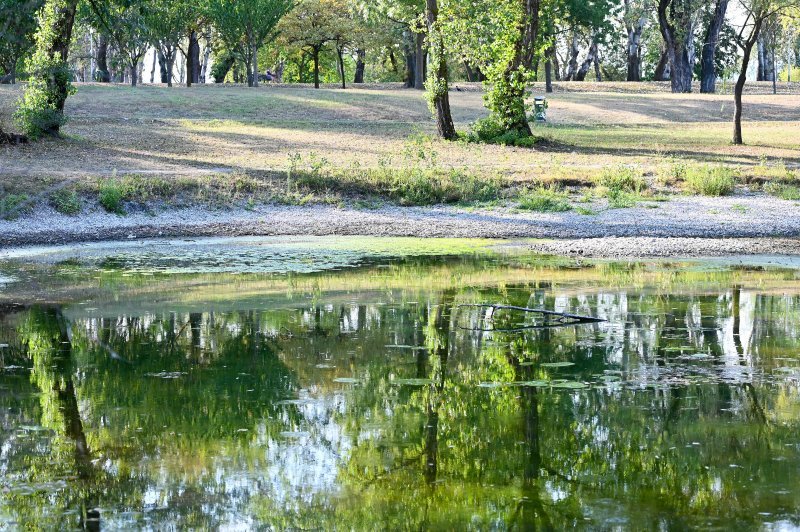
(426, 44)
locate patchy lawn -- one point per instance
(261, 133)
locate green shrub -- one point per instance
(620, 199)
(542, 199)
(783, 191)
(66, 201)
(111, 196)
(12, 205)
(710, 180)
(622, 178)
(489, 130)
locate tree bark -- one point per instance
(133, 73)
(193, 60)
(548, 70)
(591, 58)
(419, 58)
(572, 69)
(254, 53)
(439, 75)
(739, 88)
(679, 42)
(340, 61)
(634, 49)
(708, 70)
(103, 75)
(316, 67)
(662, 72)
(361, 55)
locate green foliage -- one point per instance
(17, 29)
(111, 196)
(416, 179)
(783, 191)
(622, 179)
(41, 110)
(544, 199)
(66, 201)
(491, 130)
(710, 180)
(12, 205)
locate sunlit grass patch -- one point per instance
(710, 180)
(544, 199)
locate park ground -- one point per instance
(607, 149)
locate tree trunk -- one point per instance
(739, 88)
(512, 85)
(316, 68)
(193, 60)
(587, 64)
(662, 72)
(679, 43)
(548, 70)
(361, 55)
(438, 86)
(419, 58)
(572, 70)
(340, 61)
(254, 53)
(206, 58)
(58, 37)
(103, 75)
(708, 71)
(635, 49)
(133, 73)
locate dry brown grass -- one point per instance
(183, 132)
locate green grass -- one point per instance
(111, 196)
(622, 178)
(783, 191)
(13, 205)
(66, 201)
(544, 199)
(708, 180)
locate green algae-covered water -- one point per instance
(346, 384)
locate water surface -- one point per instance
(345, 384)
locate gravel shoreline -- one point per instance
(683, 226)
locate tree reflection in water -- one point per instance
(379, 410)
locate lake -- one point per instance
(340, 383)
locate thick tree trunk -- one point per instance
(206, 58)
(316, 68)
(634, 49)
(103, 75)
(133, 71)
(591, 58)
(572, 69)
(662, 72)
(193, 59)
(679, 43)
(739, 88)
(548, 69)
(361, 56)
(438, 85)
(766, 60)
(419, 58)
(515, 118)
(708, 71)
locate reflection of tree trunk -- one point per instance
(64, 389)
(436, 389)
